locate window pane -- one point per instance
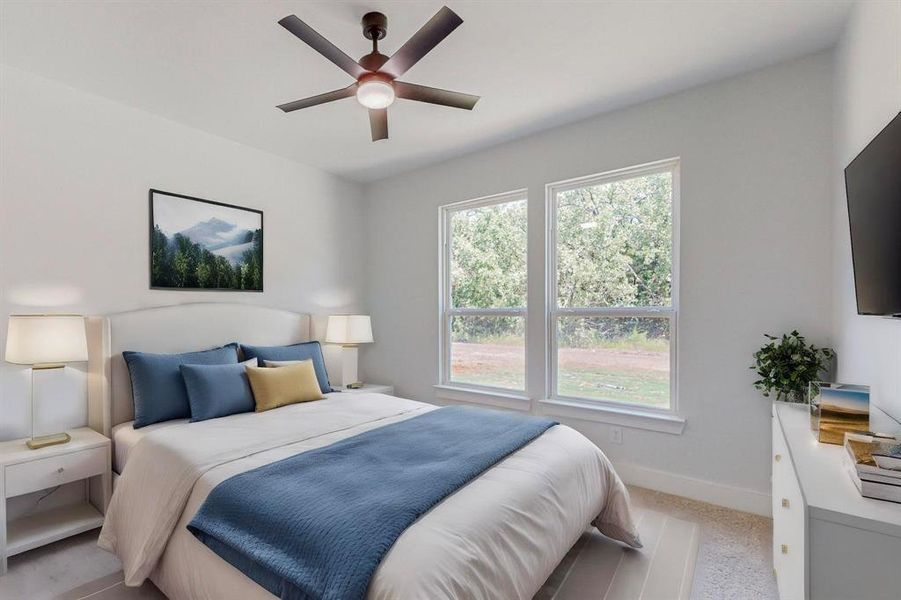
(488, 351)
(624, 359)
(488, 256)
(614, 243)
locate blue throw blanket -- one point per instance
(317, 525)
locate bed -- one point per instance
(499, 536)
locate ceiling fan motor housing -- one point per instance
(373, 61)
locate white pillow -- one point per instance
(282, 363)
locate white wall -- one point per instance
(867, 97)
(74, 179)
(755, 257)
(756, 239)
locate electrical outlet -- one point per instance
(616, 435)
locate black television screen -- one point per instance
(873, 186)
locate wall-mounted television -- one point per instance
(873, 187)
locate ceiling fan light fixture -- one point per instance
(375, 93)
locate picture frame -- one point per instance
(203, 245)
(838, 408)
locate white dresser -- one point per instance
(829, 542)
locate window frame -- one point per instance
(446, 310)
(553, 312)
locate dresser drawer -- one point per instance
(23, 478)
(789, 524)
(789, 542)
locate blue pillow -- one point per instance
(306, 351)
(157, 385)
(218, 390)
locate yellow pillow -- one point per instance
(284, 385)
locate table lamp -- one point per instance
(45, 342)
(350, 331)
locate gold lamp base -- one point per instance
(48, 440)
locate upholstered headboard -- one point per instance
(177, 328)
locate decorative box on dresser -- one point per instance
(829, 542)
(24, 471)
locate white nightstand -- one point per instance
(23, 471)
(370, 388)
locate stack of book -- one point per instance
(874, 464)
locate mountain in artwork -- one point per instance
(216, 234)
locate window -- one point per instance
(611, 287)
(483, 296)
(604, 317)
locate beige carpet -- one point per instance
(692, 550)
(600, 568)
(735, 557)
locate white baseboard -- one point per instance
(697, 489)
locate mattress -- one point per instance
(125, 436)
(500, 536)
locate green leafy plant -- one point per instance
(787, 365)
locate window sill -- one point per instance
(614, 415)
(509, 400)
(625, 416)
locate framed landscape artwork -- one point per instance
(198, 244)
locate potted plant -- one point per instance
(787, 365)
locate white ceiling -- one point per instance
(222, 67)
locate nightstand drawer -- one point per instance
(26, 477)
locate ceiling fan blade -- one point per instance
(422, 42)
(378, 123)
(322, 46)
(421, 93)
(320, 99)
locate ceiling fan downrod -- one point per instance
(375, 28)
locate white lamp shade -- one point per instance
(38, 339)
(349, 329)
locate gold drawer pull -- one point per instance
(785, 503)
(784, 549)
(778, 457)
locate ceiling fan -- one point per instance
(376, 85)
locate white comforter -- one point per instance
(500, 536)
